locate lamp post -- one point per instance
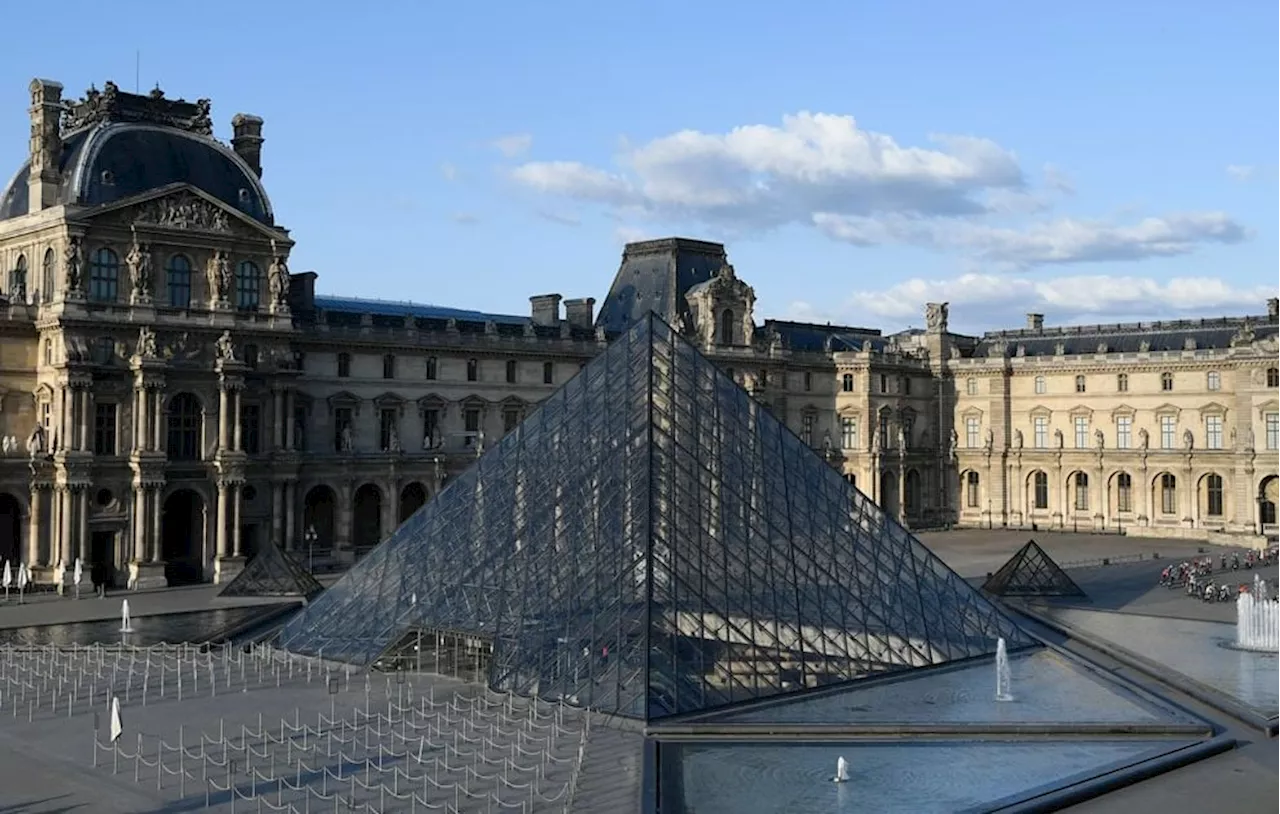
(310, 536)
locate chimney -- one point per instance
(1273, 309)
(246, 140)
(580, 313)
(1035, 322)
(44, 178)
(546, 309)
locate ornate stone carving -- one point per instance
(1057, 439)
(1144, 440)
(220, 277)
(1188, 439)
(139, 263)
(226, 348)
(146, 347)
(953, 448)
(1244, 336)
(36, 441)
(902, 440)
(182, 348)
(1017, 439)
(278, 279)
(348, 443)
(1144, 346)
(183, 210)
(73, 264)
(393, 441)
(1099, 439)
(989, 439)
(935, 316)
(1059, 348)
(112, 104)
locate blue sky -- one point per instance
(1097, 161)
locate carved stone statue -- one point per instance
(1232, 437)
(954, 444)
(1188, 439)
(826, 445)
(935, 316)
(1017, 439)
(479, 443)
(1144, 346)
(1244, 335)
(438, 466)
(1144, 440)
(875, 440)
(989, 439)
(146, 348)
(1248, 438)
(73, 263)
(220, 278)
(278, 281)
(36, 441)
(226, 348)
(1057, 439)
(348, 443)
(1099, 439)
(393, 442)
(139, 262)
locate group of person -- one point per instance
(1197, 575)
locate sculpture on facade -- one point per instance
(1248, 438)
(1099, 439)
(954, 447)
(226, 348)
(146, 347)
(438, 466)
(935, 316)
(36, 441)
(1188, 439)
(826, 445)
(346, 441)
(1143, 439)
(219, 276)
(902, 439)
(278, 279)
(1017, 439)
(73, 264)
(1057, 439)
(1244, 335)
(139, 262)
(875, 439)
(393, 441)
(1232, 437)
(479, 443)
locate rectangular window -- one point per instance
(971, 489)
(431, 368)
(1213, 380)
(906, 385)
(1124, 493)
(430, 428)
(344, 365)
(1168, 432)
(300, 429)
(1040, 431)
(1082, 432)
(251, 428)
(510, 419)
(884, 429)
(104, 429)
(972, 430)
(1122, 382)
(389, 366)
(1041, 490)
(849, 433)
(473, 370)
(1040, 386)
(387, 429)
(471, 420)
(808, 381)
(1273, 430)
(1124, 432)
(548, 373)
(884, 383)
(512, 369)
(46, 414)
(342, 425)
(1213, 432)
(970, 387)
(806, 429)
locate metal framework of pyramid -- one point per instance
(1031, 572)
(652, 541)
(272, 572)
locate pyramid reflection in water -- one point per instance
(652, 541)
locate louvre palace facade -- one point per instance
(171, 393)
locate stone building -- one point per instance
(171, 393)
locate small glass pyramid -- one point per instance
(1031, 572)
(272, 572)
(652, 541)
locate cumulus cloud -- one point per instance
(961, 193)
(514, 145)
(993, 300)
(1242, 172)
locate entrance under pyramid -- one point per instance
(651, 541)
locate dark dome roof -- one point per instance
(114, 160)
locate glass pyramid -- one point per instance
(272, 572)
(652, 541)
(1031, 572)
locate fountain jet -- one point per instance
(842, 770)
(1257, 620)
(126, 624)
(1002, 671)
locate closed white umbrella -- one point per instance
(7, 578)
(117, 727)
(23, 576)
(77, 574)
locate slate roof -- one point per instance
(655, 275)
(1170, 335)
(807, 336)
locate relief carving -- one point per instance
(935, 316)
(184, 210)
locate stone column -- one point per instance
(342, 532)
(290, 501)
(220, 533)
(86, 419)
(157, 504)
(290, 421)
(278, 492)
(277, 419)
(236, 551)
(157, 403)
(83, 522)
(139, 523)
(224, 407)
(139, 419)
(902, 492)
(33, 527)
(64, 536)
(238, 423)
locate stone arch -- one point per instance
(889, 492)
(11, 513)
(412, 497)
(182, 529)
(319, 518)
(970, 490)
(1268, 497)
(366, 517)
(1121, 492)
(1165, 501)
(725, 328)
(1212, 498)
(1039, 492)
(1079, 492)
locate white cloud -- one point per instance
(449, 171)
(1242, 172)
(962, 194)
(630, 234)
(514, 145)
(465, 218)
(995, 300)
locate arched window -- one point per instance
(248, 285)
(185, 422)
(971, 489)
(1122, 382)
(1080, 384)
(104, 275)
(18, 279)
(1040, 486)
(1040, 386)
(48, 269)
(1124, 492)
(846, 382)
(48, 351)
(1213, 495)
(726, 327)
(1168, 494)
(1082, 491)
(473, 370)
(1273, 377)
(178, 280)
(1166, 381)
